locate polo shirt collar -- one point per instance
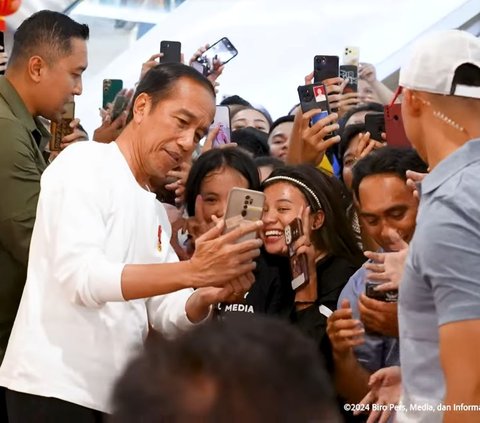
(450, 166)
(18, 108)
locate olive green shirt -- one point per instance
(22, 137)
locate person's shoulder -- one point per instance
(337, 264)
(12, 127)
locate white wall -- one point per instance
(277, 40)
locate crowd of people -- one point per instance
(123, 297)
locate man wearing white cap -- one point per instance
(439, 309)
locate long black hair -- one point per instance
(215, 159)
(335, 236)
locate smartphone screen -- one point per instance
(396, 136)
(111, 87)
(2, 49)
(298, 263)
(222, 121)
(223, 51)
(350, 72)
(171, 52)
(243, 205)
(325, 67)
(62, 128)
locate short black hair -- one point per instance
(241, 369)
(47, 34)
(235, 99)
(273, 162)
(280, 120)
(364, 107)
(387, 160)
(252, 141)
(159, 82)
(216, 159)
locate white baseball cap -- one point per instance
(434, 60)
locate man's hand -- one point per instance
(149, 64)
(181, 175)
(77, 135)
(344, 331)
(385, 389)
(379, 316)
(217, 65)
(367, 72)
(387, 268)
(109, 131)
(219, 259)
(200, 302)
(414, 178)
(366, 145)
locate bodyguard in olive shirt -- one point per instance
(44, 72)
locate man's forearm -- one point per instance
(383, 92)
(463, 396)
(149, 280)
(351, 378)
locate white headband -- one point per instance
(296, 182)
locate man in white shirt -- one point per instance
(101, 268)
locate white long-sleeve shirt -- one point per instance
(74, 332)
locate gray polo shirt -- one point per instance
(441, 282)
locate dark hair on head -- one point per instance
(281, 120)
(387, 160)
(234, 112)
(349, 132)
(336, 235)
(252, 140)
(234, 100)
(214, 160)
(160, 81)
(466, 74)
(241, 369)
(273, 162)
(47, 34)
(365, 107)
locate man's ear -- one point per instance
(36, 68)
(141, 107)
(317, 220)
(413, 103)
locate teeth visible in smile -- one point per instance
(273, 233)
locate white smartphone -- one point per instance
(243, 205)
(222, 121)
(351, 55)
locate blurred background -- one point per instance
(276, 39)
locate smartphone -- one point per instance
(351, 56)
(243, 205)
(314, 96)
(111, 87)
(171, 52)
(223, 51)
(222, 121)
(396, 136)
(350, 72)
(62, 128)
(2, 44)
(298, 263)
(390, 296)
(375, 124)
(119, 105)
(324, 67)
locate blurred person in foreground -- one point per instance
(242, 369)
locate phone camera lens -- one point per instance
(247, 197)
(245, 207)
(244, 213)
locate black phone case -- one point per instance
(325, 67)
(375, 124)
(172, 52)
(2, 43)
